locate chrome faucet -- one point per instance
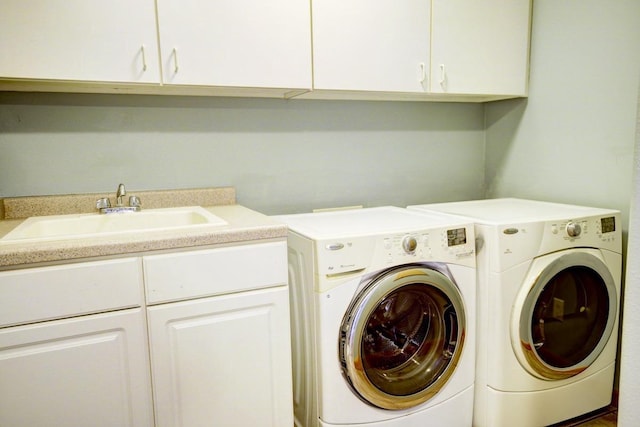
(104, 204)
(119, 194)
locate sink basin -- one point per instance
(86, 225)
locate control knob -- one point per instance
(573, 229)
(409, 244)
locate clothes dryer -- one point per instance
(383, 318)
(548, 301)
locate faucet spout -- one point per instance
(120, 193)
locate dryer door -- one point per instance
(402, 337)
(564, 319)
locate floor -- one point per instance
(607, 417)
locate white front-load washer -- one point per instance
(383, 318)
(548, 301)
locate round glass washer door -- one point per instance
(567, 316)
(402, 337)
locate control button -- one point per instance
(387, 243)
(409, 244)
(334, 246)
(573, 229)
(554, 229)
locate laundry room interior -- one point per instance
(572, 140)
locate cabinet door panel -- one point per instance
(223, 360)
(372, 46)
(480, 47)
(239, 43)
(86, 371)
(90, 40)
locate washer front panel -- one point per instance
(402, 337)
(567, 316)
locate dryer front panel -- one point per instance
(565, 319)
(402, 337)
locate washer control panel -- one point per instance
(451, 242)
(340, 256)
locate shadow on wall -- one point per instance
(502, 121)
(142, 113)
(629, 412)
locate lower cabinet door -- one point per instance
(223, 361)
(84, 371)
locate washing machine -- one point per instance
(548, 301)
(383, 318)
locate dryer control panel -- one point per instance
(599, 231)
(523, 241)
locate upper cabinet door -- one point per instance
(87, 40)
(236, 43)
(369, 45)
(480, 46)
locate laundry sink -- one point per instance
(56, 227)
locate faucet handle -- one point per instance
(102, 203)
(134, 201)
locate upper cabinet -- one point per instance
(79, 40)
(250, 46)
(450, 50)
(480, 47)
(416, 49)
(368, 45)
(239, 43)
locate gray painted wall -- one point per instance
(282, 156)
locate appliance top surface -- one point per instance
(510, 210)
(366, 221)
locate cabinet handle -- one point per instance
(443, 76)
(144, 58)
(423, 73)
(175, 60)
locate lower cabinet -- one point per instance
(186, 339)
(222, 361)
(85, 371)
